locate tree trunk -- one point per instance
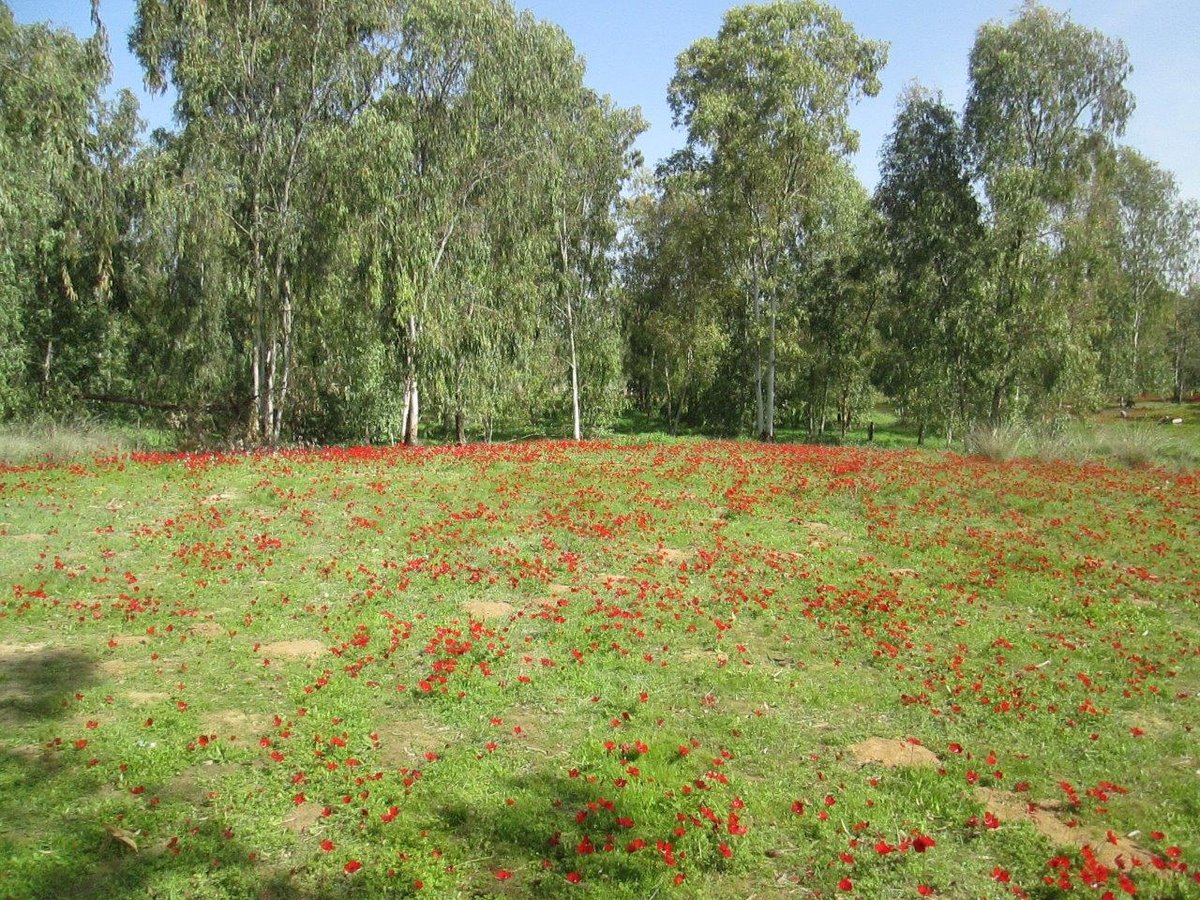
(47, 362)
(576, 422)
(759, 412)
(998, 401)
(460, 427)
(768, 434)
(1137, 333)
(412, 397)
(285, 375)
(258, 427)
(648, 407)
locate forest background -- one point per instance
(369, 221)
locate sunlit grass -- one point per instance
(549, 670)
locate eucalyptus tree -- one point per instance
(494, 173)
(767, 103)
(62, 150)
(589, 161)
(935, 338)
(675, 301)
(1155, 250)
(837, 275)
(261, 84)
(1183, 341)
(1046, 97)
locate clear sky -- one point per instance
(631, 45)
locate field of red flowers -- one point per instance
(616, 670)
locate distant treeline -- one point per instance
(371, 216)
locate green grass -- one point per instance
(359, 671)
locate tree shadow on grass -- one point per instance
(35, 682)
(517, 837)
(65, 831)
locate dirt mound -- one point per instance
(233, 724)
(292, 649)
(486, 610)
(302, 818)
(893, 754)
(1007, 807)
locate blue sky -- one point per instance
(631, 45)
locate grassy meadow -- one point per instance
(622, 670)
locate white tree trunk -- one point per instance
(759, 416)
(412, 397)
(575, 416)
(769, 432)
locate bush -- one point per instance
(50, 442)
(1136, 446)
(997, 442)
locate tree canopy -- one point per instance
(377, 219)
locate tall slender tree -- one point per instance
(1046, 96)
(260, 85)
(766, 104)
(936, 339)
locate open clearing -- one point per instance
(684, 668)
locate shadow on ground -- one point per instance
(67, 831)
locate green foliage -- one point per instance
(372, 210)
(64, 155)
(1047, 97)
(766, 105)
(936, 341)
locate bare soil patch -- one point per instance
(613, 577)
(10, 651)
(233, 723)
(827, 531)
(208, 629)
(126, 640)
(673, 556)
(893, 754)
(146, 697)
(302, 817)
(408, 740)
(487, 610)
(306, 649)
(1007, 807)
(199, 782)
(115, 668)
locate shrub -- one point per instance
(1136, 446)
(42, 442)
(998, 442)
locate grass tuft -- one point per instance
(997, 442)
(54, 442)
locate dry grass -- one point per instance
(38, 443)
